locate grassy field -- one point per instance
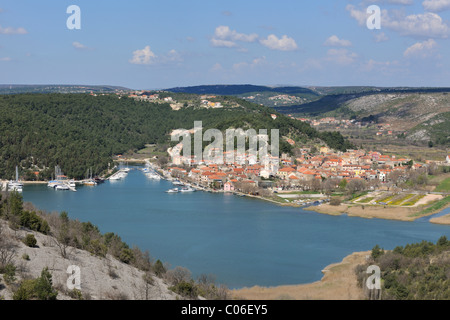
(355, 196)
(300, 192)
(435, 207)
(444, 186)
(365, 200)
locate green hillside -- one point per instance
(80, 131)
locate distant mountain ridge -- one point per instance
(241, 89)
(56, 88)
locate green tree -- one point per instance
(342, 184)
(158, 268)
(377, 252)
(30, 240)
(44, 286)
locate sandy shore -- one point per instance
(441, 220)
(338, 283)
(391, 213)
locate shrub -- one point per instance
(30, 240)
(40, 288)
(335, 202)
(25, 291)
(31, 220)
(158, 268)
(126, 255)
(185, 289)
(26, 257)
(10, 274)
(75, 294)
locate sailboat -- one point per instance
(15, 185)
(89, 181)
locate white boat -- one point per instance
(15, 186)
(154, 176)
(62, 187)
(118, 175)
(114, 177)
(52, 184)
(174, 190)
(72, 184)
(90, 182)
(177, 183)
(187, 189)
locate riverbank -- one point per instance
(380, 212)
(441, 220)
(338, 283)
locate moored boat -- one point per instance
(187, 189)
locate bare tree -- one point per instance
(178, 274)
(7, 249)
(148, 283)
(356, 185)
(329, 185)
(61, 233)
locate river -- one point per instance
(242, 241)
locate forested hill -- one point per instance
(231, 90)
(82, 131)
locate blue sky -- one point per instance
(162, 44)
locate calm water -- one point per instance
(244, 242)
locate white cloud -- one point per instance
(341, 56)
(216, 67)
(11, 30)
(436, 5)
(171, 56)
(422, 25)
(5, 59)
(225, 37)
(401, 2)
(359, 15)
(334, 41)
(223, 43)
(381, 37)
(283, 44)
(379, 65)
(421, 49)
(254, 63)
(428, 24)
(144, 56)
(79, 46)
(147, 56)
